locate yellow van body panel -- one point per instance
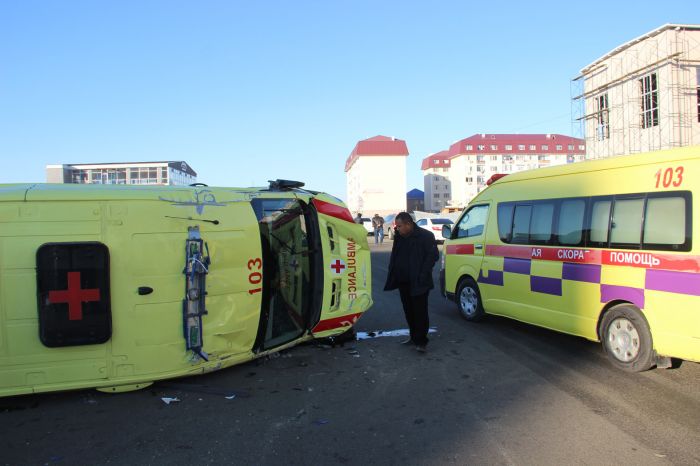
(567, 289)
(145, 230)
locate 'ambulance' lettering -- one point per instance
(352, 278)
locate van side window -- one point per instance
(541, 223)
(572, 213)
(664, 221)
(626, 225)
(600, 220)
(653, 221)
(667, 223)
(521, 224)
(472, 222)
(505, 221)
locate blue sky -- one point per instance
(250, 91)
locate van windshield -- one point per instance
(287, 269)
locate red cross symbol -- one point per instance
(338, 266)
(74, 296)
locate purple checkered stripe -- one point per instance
(686, 283)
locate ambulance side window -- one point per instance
(541, 223)
(505, 221)
(521, 224)
(572, 214)
(472, 222)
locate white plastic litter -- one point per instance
(402, 332)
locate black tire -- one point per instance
(626, 338)
(468, 300)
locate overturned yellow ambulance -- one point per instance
(114, 287)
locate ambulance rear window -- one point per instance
(73, 294)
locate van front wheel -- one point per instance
(469, 300)
(626, 338)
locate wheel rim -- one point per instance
(468, 300)
(623, 339)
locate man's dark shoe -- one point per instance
(421, 348)
(407, 341)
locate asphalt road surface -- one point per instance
(497, 392)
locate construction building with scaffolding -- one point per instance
(644, 95)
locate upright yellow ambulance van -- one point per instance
(605, 249)
(115, 286)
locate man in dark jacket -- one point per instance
(413, 256)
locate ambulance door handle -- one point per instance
(478, 246)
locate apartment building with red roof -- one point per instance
(437, 186)
(473, 160)
(376, 176)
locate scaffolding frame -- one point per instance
(673, 53)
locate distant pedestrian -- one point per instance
(358, 218)
(413, 255)
(378, 225)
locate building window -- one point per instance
(481, 147)
(602, 117)
(494, 147)
(650, 103)
(559, 147)
(509, 147)
(533, 147)
(581, 147)
(521, 146)
(470, 147)
(545, 147)
(436, 195)
(570, 147)
(446, 195)
(469, 179)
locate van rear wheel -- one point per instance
(469, 300)
(627, 339)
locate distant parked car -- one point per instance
(434, 225)
(390, 224)
(367, 222)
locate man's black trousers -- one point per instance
(416, 310)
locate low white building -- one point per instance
(643, 95)
(158, 173)
(376, 176)
(473, 160)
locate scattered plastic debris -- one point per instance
(168, 400)
(320, 422)
(230, 397)
(403, 332)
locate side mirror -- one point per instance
(446, 231)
